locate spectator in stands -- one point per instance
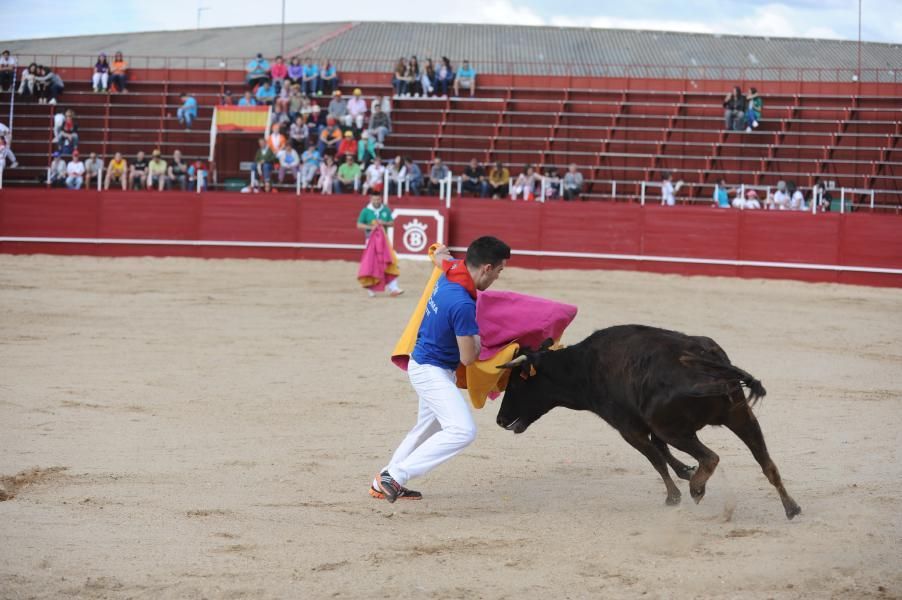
(289, 162)
(27, 86)
(310, 78)
(197, 176)
(400, 80)
(297, 103)
(264, 160)
(356, 111)
(722, 193)
(499, 180)
(573, 183)
(466, 78)
(156, 172)
(330, 137)
(382, 101)
(444, 77)
(328, 78)
(227, 99)
(669, 190)
(257, 71)
(247, 100)
(366, 149)
(415, 87)
(187, 112)
(338, 108)
(276, 139)
(473, 179)
(5, 135)
(327, 172)
(397, 175)
(295, 71)
(380, 126)
(780, 198)
(138, 173)
(68, 133)
(374, 181)
(57, 175)
(49, 84)
(7, 70)
(439, 172)
(93, 170)
(750, 202)
(279, 73)
(75, 172)
(822, 196)
(117, 172)
(6, 153)
(310, 161)
(348, 146)
(754, 104)
(732, 107)
(427, 79)
(348, 175)
(526, 184)
(282, 105)
(101, 77)
(551, 181)
(414, 176)
(265, 94)
(796, 197)
(298, 134)
(119, 73)
(178, 172)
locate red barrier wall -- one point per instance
(593, 235)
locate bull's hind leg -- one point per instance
(641, 442)
(682, 471)
(743, 423)
(707, 462)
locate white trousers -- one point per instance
(444, 424)
(100, 80)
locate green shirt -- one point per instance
(369, 214)
(347, 172)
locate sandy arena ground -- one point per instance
(177, 428)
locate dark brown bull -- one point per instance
(656, 387)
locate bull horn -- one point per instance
(511, 364)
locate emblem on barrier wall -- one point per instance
(417, 229)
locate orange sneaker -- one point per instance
(403, 493)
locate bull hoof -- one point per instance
(674, 500)
(686, 473)
(793, 510)
(697, 493)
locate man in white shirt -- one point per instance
(7, 70)
(780, 199)
(374, 177)
(668, 192)
(75, 172)
(356, 110)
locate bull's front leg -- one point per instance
(640, 441)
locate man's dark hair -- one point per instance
(487, 250)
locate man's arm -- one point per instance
(469, 346)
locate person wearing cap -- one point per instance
(348, 146)
(328, 78)
(310, 78)
(257, 71)
(380, 126)
(366, 149)
(56, 177)
(750, 202)
(187, 112)
(119, 73)
(93, 169)
(338, 107)
(7, 70)
(101, 77)
(466, 78)
(356, 110)
(75, 172)
(117, 171)
(330, 137)
(156, 172)
(137, 174)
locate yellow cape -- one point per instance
(479, 379)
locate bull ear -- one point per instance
(514, 363)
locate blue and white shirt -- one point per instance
(450, 312)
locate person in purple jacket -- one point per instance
(295, 71)
(101, 78)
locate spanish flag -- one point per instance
(248, 119)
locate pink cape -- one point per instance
(506, 317)
(377, 265)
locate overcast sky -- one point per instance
(837, 19)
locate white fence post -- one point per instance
(297, 182)
(642, 195)
(872, 200)
(614, 190)
(99, 177)
(842, 200)
(385, 186)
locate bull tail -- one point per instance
(725, 369)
